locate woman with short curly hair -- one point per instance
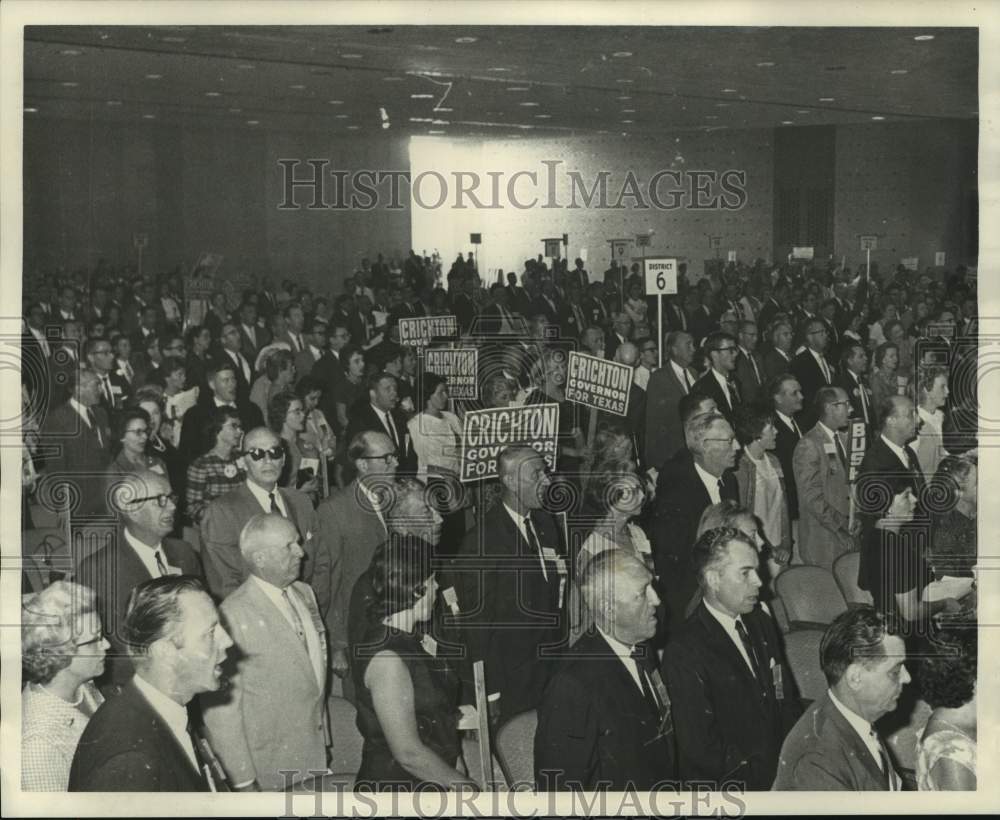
(62, 651)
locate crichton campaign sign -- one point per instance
(460, 367)
(422, 330)
(487, 433)
(598, 383)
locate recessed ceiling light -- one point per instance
(149, 116)
(435, 132)
(445, 110)
(827, 99)
(728, 90)
(722, 105)
(802, 111)
(878, 118)
(421, 96)
(440, 122)
(235, 110)
(114, 102)
(336, 102)
(174, 39)
(246, 66)
(342, 116)
(350, 56)
(356, 127)
(391, 79)
(787, 122)
(29, 109)
(297, 86)
(765, 64)
(253, 122)
(154, 76)
(899, 71)
(517, 88)
(212, 94)
(69, 84)
(922, 38)
(71, 52)
(464, 40)
(627, 122)
(622, 54)
(498, 68)
(623, 81)
(421, 119)
(628, 110)
(623, 98)
(529, 104)
(543, 116)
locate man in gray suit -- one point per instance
(834, 746)
(664, 432)
(820, 467)
(352, 524)
(272, 717)
(224, 518)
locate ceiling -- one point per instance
(500, 81)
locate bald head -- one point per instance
(261, 437)
(618, 589)
(269, 544)
(627, 353)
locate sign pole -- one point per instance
(482, 712)
(659, 326)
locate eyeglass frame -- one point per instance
(394, 454)
(162, 504)
(258, 453)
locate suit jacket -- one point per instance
(541, 305)
(823, 753)
(570, 326)
(251, 347)
(775, 364)
(700, 324)
(193, 442)
(674, 317)
(127, 747)
(242, 382)
(465, 311)
(363, 417)
(784, 449)
(595, 311)
(498, 580)
(269, 665)
(220, 550)
(766, 313)
(681, 498)
(709, 385)
(611, 344)
(807, 371)
(351, 532)
(79, 455)
(849, 383)
(729, 725)
(120, 390)
(824, 499)
(328, 370)
(752, 385)
(113, 571)
(597, 729)
(664, 434)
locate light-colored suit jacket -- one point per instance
(664, 432)
(273, 714)
(824, 499)
(351, 531)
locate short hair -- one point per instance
(216, 420)
(192, 333)
(290, 307)
(91, 343)
(848, 351)
(716, 338)
(277, 409)
(385, 353)
(376, 377)
(398, 574)
(249, 540)
(361, 443)
(149, 392)
(746, 324)
(510, 455)
(596, 579)
(308, 384)
(711, 548)
(724, 514)
(887, 408)
(697, 427)
(427, 384)
(216, 367)
(948, 673)
(171, 364)
(277, 361)
(749, 422)
(48, 626)
(122, 419)
(687, 406)
(774, 385)
(854, 636)
(404, 492)
(881, 350)
(926, 376)
(824, 396)
(776, 325)
(154, 611)
(346, 354)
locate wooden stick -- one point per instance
(482, 710)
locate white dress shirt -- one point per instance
(624, 654)
(789, 422)
(147, 555)
(520, 521)
(373, 500)
(899, 451)
(728, 623)
(864, 730)
(724, 384)
(304, 617)
(263, 498)
(824, 368)
(172, 713)
(682, 377)
(389, 424)
(710, 481)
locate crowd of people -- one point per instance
(279, 481)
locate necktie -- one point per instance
(756, 372)
(914, 466)
(687, 381)
(391, 425)
(298, 342)
(533, 543)
(160, 564)
(758, 673)
(92, 420)
(296, 618)
(722, 489)
(107, 391)
(129, 373)
(274, 504)
(841, 452)
(734, 392)
(825, 368)
(640, 657)
(883, 759)
(208, 764)
(864, 398)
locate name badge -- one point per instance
(430, 645)
(830, 449)
(173, 570)
(549, 554)
(562, 589)
(776, 679)
(561, 565)
(451, 599)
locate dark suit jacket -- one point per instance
(823, 753)
(596, 728)
(709, 385)
(193, 443)
(700, 324)
(681, 498)
(569, 326)
(766, 313)
(664, 434)
(465, 311)
(674, 317)
(846, 380)
(329, 371)
(784, 449)
(752, 385)
(220, 532)
(775, 364)
(78, 454)
(729, 728)
(247, 347)
(595, 311)
(363, 417)
(242, 383)
(127, 747)
(611, 344)
(509, 612)
(806, 370)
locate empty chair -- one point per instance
(810, 595)
(802, 651)
(515, 744)
(845, 571)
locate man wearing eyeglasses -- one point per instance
(141, 550)
(720, 382)
(100, 355)
(820, 467)
(381, 413)
(812, 369)
(225, 570)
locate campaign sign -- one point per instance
(459, 367)
(598, 383)
(855, 448)
(487, 433)
(422, 330)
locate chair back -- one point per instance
(515, 748)
(802, 652)
(810, 595)
(845, 571)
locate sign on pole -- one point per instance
(856, 444)
(487, 433)
(618, 248)
(869, 242)
(598, 383)
(420, 331)
(661, 278)
(552, 247)
(910, 262)
(460, 367)
(803, 253)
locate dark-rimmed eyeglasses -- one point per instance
(274, 453)
(162, 499)
(386, 458)
(725, 349)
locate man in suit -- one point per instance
(511, 570)
(778, 358)
(604, 721)
(517, 297)
(851, 379)
(141, 550)
(352, 524)
(314, 343)
(232, 353)
(225, 517)
(621, 330)
(770, 307)
(328, 368)
(593, 305)
(141, 739)
(381, 413)
(547, 303)
(889, 462)
(279, 656)
(253, 337)
(700, 321)
(693, 479)
(674, 317)
(572, 315)
(820, 467)
(733, 693)
(786, 398)
(664, 431)
(77, 433)
(497, 319)
(812, 369)
(750, 374)
(100, 357)
(217, 315)
(222, 392)
(634, 421)
(460, 297)
(720, 382)
(834, 746)
(295, 329)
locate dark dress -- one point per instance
(435, 700)
(953, 545)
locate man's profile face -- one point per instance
(201, 643)
(789, 398)
(635, 602)
(384, 394)
(529, 481)
(224, 385)
(882, 683)
(735, 582)
(89, 390)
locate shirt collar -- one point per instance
(261, 495)
(276, 594)
(83, 411)
(786, 419)
(829, 433)
(934, 419)
(858, 723)
(622, 651)
(899, 451)
(519, 518)
(722, 380)
(142, 548)
(175, 715)
(707, 478)
(819, 357)
(728, 621)
(680, 371)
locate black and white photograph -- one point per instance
(472, 409)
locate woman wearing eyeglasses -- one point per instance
(220, 469)
(287, 417)
(62, 651)
(130, 435)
